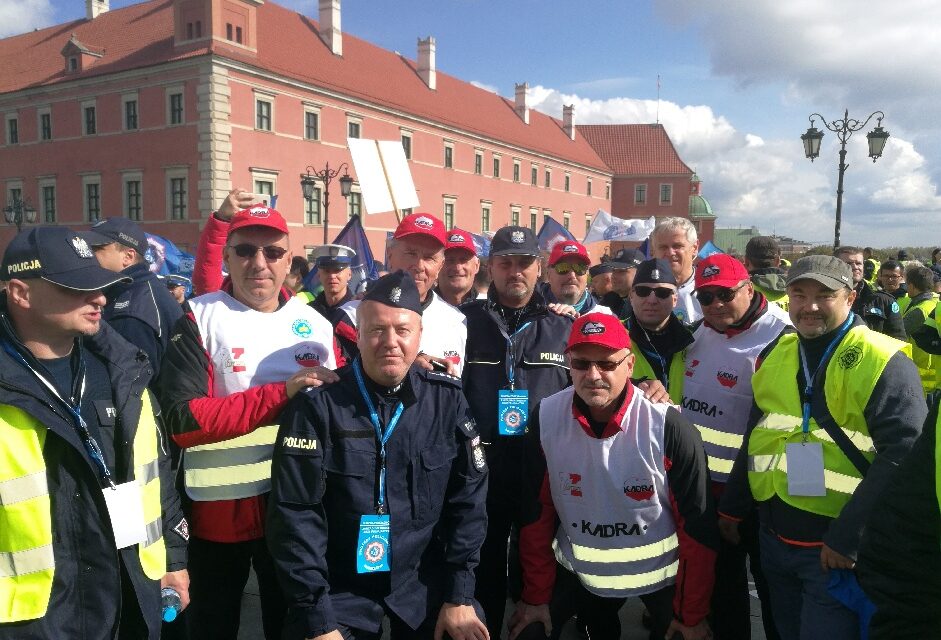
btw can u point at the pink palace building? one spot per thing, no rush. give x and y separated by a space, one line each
156 110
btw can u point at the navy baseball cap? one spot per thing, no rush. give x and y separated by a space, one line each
514 241
627 259
57 255
120 230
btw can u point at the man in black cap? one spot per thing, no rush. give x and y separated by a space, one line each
515 358
623 266
90 519
142 311
599 282
379 482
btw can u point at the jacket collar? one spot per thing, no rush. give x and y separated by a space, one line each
580 412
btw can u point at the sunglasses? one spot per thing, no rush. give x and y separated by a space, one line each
725 295
603 365
564 268
271 252
661 292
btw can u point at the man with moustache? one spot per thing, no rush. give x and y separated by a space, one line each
461 264
675 239
878 309
379 482
837 406
568 278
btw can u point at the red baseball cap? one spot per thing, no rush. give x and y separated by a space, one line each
460 239
569 250
258 216
603 329
424 224
720 270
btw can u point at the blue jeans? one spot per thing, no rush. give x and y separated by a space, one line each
803 609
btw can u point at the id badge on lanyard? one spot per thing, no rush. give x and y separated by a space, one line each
512 403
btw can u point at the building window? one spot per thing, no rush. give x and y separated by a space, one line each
448 156
49 203
265 188
516 171
130 115
588 187
533 219
312 211
587 223
607 190
311 125
354 204
515 216
133 208
407 211
407 145
548 178
485 218
199 29
478 162
449 215
354 129
45 126
73 63
640 194
496 167
568 182
534 175
92 202
263 115
15 193
189 30
566 219
228 31
91 123
178 198
666 193
176 108
13 130
238 35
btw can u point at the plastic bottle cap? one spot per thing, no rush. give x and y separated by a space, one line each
169 614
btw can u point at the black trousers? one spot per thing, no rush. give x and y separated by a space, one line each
491 591
598 614
218 574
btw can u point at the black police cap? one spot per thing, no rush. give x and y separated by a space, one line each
598 269
654 271
397 290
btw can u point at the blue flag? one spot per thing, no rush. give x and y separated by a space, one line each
481 245
708 249
551 233
165 258
363 267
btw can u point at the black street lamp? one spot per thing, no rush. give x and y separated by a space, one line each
309 183
19 211
844 129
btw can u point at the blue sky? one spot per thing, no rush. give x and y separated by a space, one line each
738 81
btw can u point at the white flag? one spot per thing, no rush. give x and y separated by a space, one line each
605 227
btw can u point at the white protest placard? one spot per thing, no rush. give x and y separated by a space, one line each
384 176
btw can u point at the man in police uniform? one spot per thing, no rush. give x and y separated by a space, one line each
600 280
90 519
622 277
143 311
815 460
878 309
568 277
638 510
515 359
379 482
177 286
461 264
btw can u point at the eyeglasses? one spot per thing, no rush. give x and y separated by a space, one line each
725 295
603 365
271 251
564 268
661 292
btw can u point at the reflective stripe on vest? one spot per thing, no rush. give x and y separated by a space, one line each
927 363
237 468
153 552
645 582
851 375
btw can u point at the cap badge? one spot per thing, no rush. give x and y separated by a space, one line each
570 248
81 248
395 295
516 237
592 328
259 212
424 221
456 237
711 270
655 274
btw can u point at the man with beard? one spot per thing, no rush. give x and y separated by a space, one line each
568 277
878 309
461 264
675 239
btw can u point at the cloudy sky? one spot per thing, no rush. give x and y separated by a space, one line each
738 79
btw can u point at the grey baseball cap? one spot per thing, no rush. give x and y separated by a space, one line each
831 272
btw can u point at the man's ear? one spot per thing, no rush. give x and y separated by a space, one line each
18 294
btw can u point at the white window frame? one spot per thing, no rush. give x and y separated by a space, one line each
314 109
87 179
41 205
449 201
478 158
517 212
269 98
132 176
644 201
534 219
486 205
265 175
567 182
444 155
660 200
40 112
588 187
171 173
10 117
167 92
84 105
354 119
125 98
566 219
403 134
517 170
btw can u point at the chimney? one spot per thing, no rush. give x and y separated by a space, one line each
94 8
568 120
426 62
522 106
330 25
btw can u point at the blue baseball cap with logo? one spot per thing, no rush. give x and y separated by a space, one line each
120 230
57 255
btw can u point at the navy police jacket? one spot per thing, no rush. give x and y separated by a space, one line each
325 476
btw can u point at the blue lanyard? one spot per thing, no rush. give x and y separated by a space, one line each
74 409
665 379
383 437
510 356
809 379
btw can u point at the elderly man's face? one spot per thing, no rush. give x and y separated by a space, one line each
388 339
420 256
676 247
599 388
460 267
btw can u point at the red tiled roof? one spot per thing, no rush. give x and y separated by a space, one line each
634 149
288 44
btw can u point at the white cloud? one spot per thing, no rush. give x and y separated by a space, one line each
21 16
484 86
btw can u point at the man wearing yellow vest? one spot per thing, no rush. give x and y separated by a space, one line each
234 360
837 406
920 281
90 523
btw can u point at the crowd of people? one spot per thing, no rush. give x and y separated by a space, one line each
541 434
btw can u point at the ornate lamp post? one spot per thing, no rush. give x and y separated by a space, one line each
326 175
18 212
844 129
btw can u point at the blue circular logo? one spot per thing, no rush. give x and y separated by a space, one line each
302 328
895 307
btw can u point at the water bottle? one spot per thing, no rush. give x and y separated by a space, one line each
170 603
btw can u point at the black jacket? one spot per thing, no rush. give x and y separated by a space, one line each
325 476
86 599
880 311
144 312
899 563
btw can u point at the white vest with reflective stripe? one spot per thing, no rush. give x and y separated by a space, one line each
248 348
717 393
616 531
443 329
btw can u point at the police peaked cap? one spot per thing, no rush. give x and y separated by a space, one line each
397 290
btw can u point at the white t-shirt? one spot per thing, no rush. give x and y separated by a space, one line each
687 306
